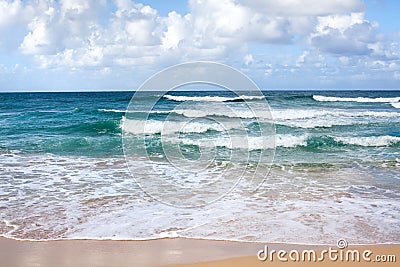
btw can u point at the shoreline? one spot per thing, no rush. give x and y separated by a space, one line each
65 239
159 252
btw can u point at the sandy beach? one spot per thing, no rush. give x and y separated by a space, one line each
161 252
253 261
199 133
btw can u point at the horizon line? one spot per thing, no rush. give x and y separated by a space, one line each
200 90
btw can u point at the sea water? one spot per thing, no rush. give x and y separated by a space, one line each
335 171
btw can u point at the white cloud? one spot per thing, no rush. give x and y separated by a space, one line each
305 7
344 60
56 26
71 32
89 35
302 58
138 25
14 17
344 34
176 30
387 50
42 39
232 22
268 70
14 13
68 32
248 59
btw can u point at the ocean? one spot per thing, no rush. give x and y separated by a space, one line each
333 170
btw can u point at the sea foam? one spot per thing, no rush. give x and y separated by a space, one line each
356 99
212 98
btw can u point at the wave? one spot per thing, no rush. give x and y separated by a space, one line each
292 141
370 141
199 113
253 143
335 141
321 98
157 127
244 114
293 114
395 104
294 118
212 98
311 119
315 118
112 127
278 114
237 142
112 110
289 141
311 124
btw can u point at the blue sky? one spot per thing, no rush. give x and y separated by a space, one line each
76 45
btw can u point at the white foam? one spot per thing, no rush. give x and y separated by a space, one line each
395 104
294 114
112 110
382 114
169 127
288 140
249 143
96 198
356 99
292 117
316 123
212 98
328 118
198 113
369 141
314 118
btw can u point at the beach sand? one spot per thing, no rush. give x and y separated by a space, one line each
253 261
159 252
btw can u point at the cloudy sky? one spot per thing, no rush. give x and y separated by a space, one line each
56 45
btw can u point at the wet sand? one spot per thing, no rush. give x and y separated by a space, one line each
159 252
253 261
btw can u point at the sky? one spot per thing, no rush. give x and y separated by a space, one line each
89 45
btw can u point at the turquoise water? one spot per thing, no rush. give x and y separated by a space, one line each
89 124
337 161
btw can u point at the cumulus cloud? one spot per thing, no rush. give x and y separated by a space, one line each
101 35
228 21
305 7
14 17
71 32
345 34
61 25
248 59
14 13
176 30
